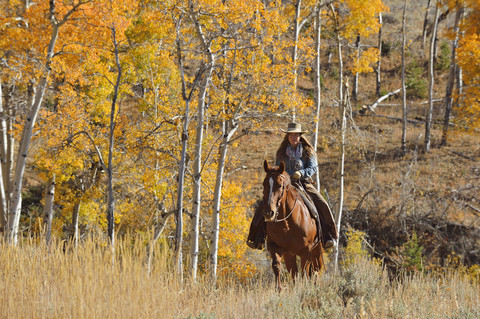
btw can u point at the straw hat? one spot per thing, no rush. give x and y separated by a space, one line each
294 128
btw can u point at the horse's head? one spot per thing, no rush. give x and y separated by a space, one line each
274 186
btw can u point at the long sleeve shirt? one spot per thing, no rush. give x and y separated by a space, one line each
308 165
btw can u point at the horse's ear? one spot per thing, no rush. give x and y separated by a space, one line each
266 167
282 167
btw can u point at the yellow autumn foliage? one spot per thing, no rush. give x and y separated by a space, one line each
364 63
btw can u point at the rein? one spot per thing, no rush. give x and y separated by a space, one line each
284 192
283 219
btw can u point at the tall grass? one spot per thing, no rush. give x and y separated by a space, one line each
59 282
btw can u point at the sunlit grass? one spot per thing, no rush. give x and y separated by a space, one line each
59 282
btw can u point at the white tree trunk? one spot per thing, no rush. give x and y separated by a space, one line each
197 171
428 118
379 62
425 23
48 209
318 86
229 128
404 88
355 77
75 231
110 196
338 216
3 154
16 201
298 5
451 77
341 172
15 206
197 163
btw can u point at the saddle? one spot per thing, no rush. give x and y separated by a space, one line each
311 208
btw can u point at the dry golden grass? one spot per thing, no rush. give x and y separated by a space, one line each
37 282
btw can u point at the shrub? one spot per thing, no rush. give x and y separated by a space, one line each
411 253
443 60
415 82
387 48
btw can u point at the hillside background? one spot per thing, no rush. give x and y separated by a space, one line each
428 200
148 122
132 141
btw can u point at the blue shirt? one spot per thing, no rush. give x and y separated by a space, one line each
308 165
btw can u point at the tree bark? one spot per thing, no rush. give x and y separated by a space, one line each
183 157
451 78
229 128
197 174
428 119
379 62
318 86
341 171
425 23
338 217
48 209
110 197
197 163
3 153
404 88
355 77
16 203
14 207
298 5
75 231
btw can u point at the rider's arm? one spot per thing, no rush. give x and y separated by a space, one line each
310 167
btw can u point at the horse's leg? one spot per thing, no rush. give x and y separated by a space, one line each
291 264
317 258
306 263
276 263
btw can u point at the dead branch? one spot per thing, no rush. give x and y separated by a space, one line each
392 118
386 96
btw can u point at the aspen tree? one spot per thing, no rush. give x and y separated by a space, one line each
355 76
428 119
48 209
296 34
229 127
318 86
451 75
379 63
3 151
404 89
468 58
425 24
110 195
197 161
341 163
183 155
14 208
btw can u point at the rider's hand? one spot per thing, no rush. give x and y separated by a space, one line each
296 175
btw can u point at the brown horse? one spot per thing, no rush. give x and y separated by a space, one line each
291 231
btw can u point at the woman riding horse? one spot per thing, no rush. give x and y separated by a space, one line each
300 163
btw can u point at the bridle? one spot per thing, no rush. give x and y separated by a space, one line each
284 188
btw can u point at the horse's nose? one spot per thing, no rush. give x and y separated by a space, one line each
269 215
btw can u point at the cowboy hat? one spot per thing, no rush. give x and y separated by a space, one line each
294 128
